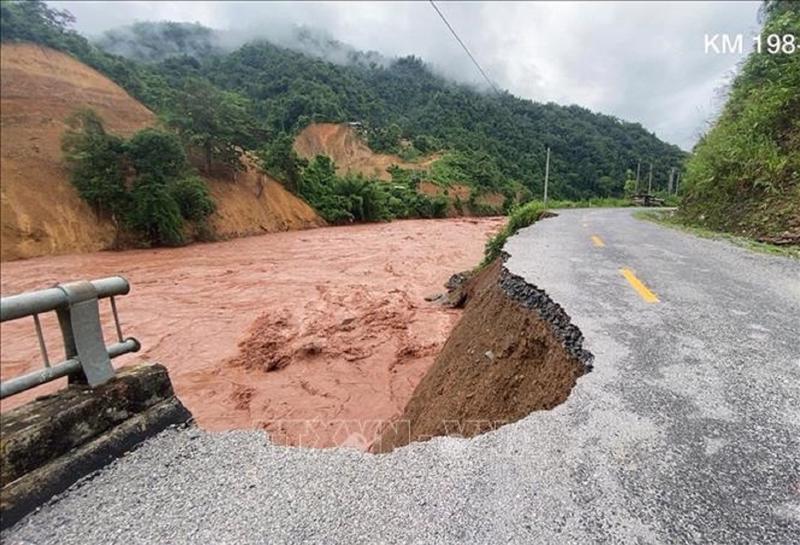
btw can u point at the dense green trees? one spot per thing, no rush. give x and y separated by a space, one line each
218 123
744 175
349 198
406 100
144 184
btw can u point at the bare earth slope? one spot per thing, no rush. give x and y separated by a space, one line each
255 203
41 212
39 88
348 150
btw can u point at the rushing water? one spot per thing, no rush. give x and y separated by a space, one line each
340 310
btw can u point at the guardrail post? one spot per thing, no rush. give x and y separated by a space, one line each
83 333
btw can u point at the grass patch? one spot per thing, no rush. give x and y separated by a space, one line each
531 212
670 219
521 216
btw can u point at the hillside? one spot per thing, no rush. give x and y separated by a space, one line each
348 150
502 136
263 92
744 175
41 211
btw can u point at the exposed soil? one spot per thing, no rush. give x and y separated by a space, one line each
455 190
254 203
345 146
318 336
514 351
40 211
461 192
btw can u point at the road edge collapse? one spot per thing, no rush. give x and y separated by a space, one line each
513 351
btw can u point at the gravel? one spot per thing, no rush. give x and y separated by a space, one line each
686 431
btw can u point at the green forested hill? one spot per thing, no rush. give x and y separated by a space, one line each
744 175
263 91
591 152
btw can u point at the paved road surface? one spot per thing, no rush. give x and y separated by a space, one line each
687 431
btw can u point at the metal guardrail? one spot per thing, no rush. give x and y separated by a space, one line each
88 359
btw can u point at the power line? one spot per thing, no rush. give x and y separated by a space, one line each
466 49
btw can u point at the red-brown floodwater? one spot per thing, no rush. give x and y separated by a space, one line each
337 313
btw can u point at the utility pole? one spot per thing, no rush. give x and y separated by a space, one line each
650 180
677 179
546 174
669 184
638 168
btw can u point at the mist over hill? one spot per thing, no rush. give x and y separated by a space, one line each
157 41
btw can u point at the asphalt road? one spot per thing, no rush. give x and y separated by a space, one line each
687 430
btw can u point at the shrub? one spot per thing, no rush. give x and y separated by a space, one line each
280 160
153 151
96 163
155 212
520 217
349 198
744 174
191 195
153 162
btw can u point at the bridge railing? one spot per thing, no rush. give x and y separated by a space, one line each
76 305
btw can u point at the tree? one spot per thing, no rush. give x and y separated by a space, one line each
424 143
191 195
97 163
629 185
153 151
609 187
163 191
216 122
280 160
155 212
35 21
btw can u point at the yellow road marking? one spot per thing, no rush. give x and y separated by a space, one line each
598 241
640 288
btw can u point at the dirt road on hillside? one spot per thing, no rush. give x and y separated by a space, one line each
313 335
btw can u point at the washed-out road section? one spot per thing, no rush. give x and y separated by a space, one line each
686 431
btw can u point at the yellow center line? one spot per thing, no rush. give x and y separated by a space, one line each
598 241
640 288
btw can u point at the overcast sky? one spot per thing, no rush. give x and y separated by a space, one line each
643 62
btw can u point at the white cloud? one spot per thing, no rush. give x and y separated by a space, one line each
641 61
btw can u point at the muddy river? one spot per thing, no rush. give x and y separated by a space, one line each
317 336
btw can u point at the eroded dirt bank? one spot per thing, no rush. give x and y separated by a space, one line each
334 328
514 351
41 213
